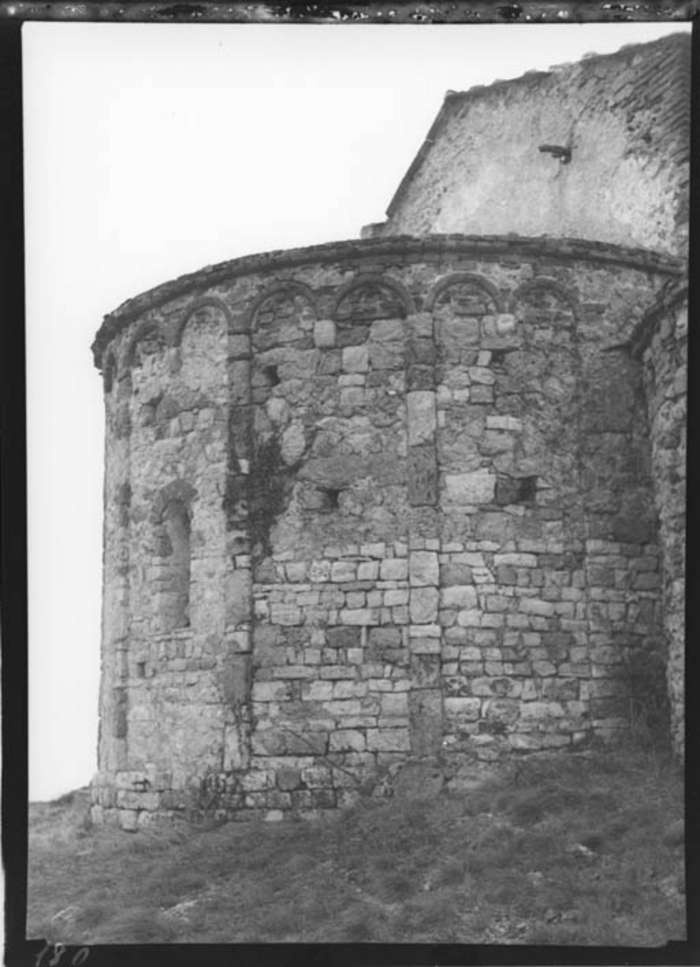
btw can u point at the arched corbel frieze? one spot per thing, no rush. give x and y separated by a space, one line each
148 339
369 297
201 309
465 293
282 300
546 296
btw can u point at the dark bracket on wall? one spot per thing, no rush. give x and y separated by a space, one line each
557 151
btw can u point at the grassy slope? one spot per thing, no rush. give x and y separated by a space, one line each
563 850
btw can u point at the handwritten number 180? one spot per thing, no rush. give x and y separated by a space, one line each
59 950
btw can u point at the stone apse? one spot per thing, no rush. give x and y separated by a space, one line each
380 501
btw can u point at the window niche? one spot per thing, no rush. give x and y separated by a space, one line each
516 490
320 500
330 498
173 556
272 375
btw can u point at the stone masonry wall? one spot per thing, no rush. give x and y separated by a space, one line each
365 502
167 405
662 342
625 118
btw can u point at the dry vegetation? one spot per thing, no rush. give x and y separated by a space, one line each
562 850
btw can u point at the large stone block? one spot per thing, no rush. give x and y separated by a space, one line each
459 597
388 740
394 703
343 571
421 417
455 574
307 743
355 359
475 487
347 740
343 637
425 646
359 616
423 605
385 637
394 569
368 571
324 333
541 711
317 691
424 568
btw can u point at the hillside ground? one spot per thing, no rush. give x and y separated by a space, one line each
558 850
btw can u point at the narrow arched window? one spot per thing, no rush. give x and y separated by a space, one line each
173 550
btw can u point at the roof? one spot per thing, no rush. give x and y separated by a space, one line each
455 99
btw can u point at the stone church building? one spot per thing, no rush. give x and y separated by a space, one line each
418 496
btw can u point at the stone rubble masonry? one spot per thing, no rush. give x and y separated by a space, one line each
661 342
625 117
379 500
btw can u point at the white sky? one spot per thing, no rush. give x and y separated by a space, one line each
151 151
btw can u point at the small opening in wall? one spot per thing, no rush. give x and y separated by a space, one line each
272 375
140 669
499 356
331 498
516 490
559 151
527 490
